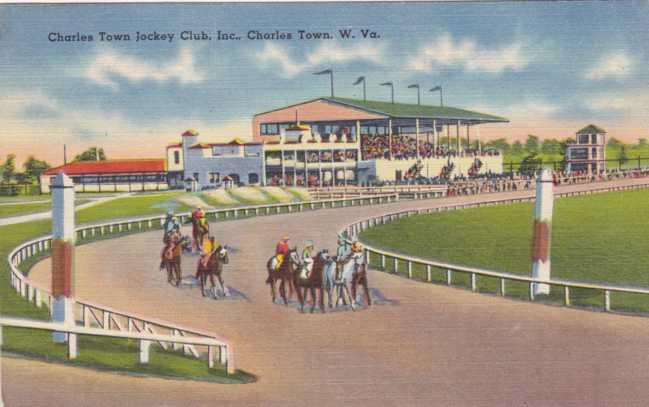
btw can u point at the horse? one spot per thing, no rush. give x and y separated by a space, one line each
214 266
171 255
285 273
198 232
354 272
315 280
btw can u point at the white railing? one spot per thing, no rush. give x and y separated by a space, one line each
353 231
145 339
118 323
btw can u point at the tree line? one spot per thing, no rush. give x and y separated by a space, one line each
33 168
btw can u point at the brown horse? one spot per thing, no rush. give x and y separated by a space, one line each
198 232
314 281
353 273
171 255
285 273
213 267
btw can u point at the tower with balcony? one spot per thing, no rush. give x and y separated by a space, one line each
588 153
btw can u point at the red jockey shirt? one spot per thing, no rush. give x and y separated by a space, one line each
282 248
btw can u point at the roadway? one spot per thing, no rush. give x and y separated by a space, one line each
436 346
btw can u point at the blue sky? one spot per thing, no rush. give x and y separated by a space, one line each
549 67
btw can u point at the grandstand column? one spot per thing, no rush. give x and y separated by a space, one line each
468 139
417 137
541 245
281 155
263 167
435 135
448 137
457 137
294 168
358 140
390 139
477 130
63 240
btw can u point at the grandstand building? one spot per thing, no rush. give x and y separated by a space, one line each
588 152
331 140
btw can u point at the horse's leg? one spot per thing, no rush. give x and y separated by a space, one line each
201 278
354 286
282 291
225 291
213 286
313 298
351 299
368 299
272 287
322 307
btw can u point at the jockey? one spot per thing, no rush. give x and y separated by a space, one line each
307 257
170 224
343 249
208 248
170 239
281 250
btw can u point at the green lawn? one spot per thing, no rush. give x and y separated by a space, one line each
8 210
598 238
133 205
98 353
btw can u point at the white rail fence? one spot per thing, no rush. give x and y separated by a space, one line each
353 230
99 320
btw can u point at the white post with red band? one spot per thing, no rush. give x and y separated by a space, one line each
63 241
542 239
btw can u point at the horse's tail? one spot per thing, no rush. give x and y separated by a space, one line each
269 263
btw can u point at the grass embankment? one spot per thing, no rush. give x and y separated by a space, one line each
600 238
119 355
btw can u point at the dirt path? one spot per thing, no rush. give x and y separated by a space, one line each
436 346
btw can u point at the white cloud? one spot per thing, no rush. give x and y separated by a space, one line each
325 53
446 52
79 129
110 63
527 109
615 65
626 101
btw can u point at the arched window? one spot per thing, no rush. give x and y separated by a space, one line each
253 178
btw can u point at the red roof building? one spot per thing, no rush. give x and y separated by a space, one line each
112 175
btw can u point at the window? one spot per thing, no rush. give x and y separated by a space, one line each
196 176
253 178
176 157
214 177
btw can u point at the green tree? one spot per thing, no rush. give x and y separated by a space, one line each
91 154
517 148
9 167
500 144
643 142
34 168
623 157
614 143
532 144
551 146
531 164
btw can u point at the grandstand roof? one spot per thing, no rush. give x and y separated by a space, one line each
404 110
592 129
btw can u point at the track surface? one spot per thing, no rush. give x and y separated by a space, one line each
437 346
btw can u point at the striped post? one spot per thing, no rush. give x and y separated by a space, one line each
542 232
63 241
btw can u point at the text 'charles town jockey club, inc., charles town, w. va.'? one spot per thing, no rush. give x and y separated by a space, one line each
202 35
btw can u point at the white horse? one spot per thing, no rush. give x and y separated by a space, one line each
353 273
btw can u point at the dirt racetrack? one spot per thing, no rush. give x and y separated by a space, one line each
436 346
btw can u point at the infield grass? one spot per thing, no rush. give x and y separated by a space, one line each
111 354
602 238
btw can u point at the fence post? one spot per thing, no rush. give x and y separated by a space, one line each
429 276
144 351
502 287
449 277
84 316
531 291
210 357
607 300
473 282
409 269
72 346
383 261
566 295
395 265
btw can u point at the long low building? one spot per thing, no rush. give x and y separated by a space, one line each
126 175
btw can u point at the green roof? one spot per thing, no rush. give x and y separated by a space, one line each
592 129
403 110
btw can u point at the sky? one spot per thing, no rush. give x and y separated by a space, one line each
550 67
